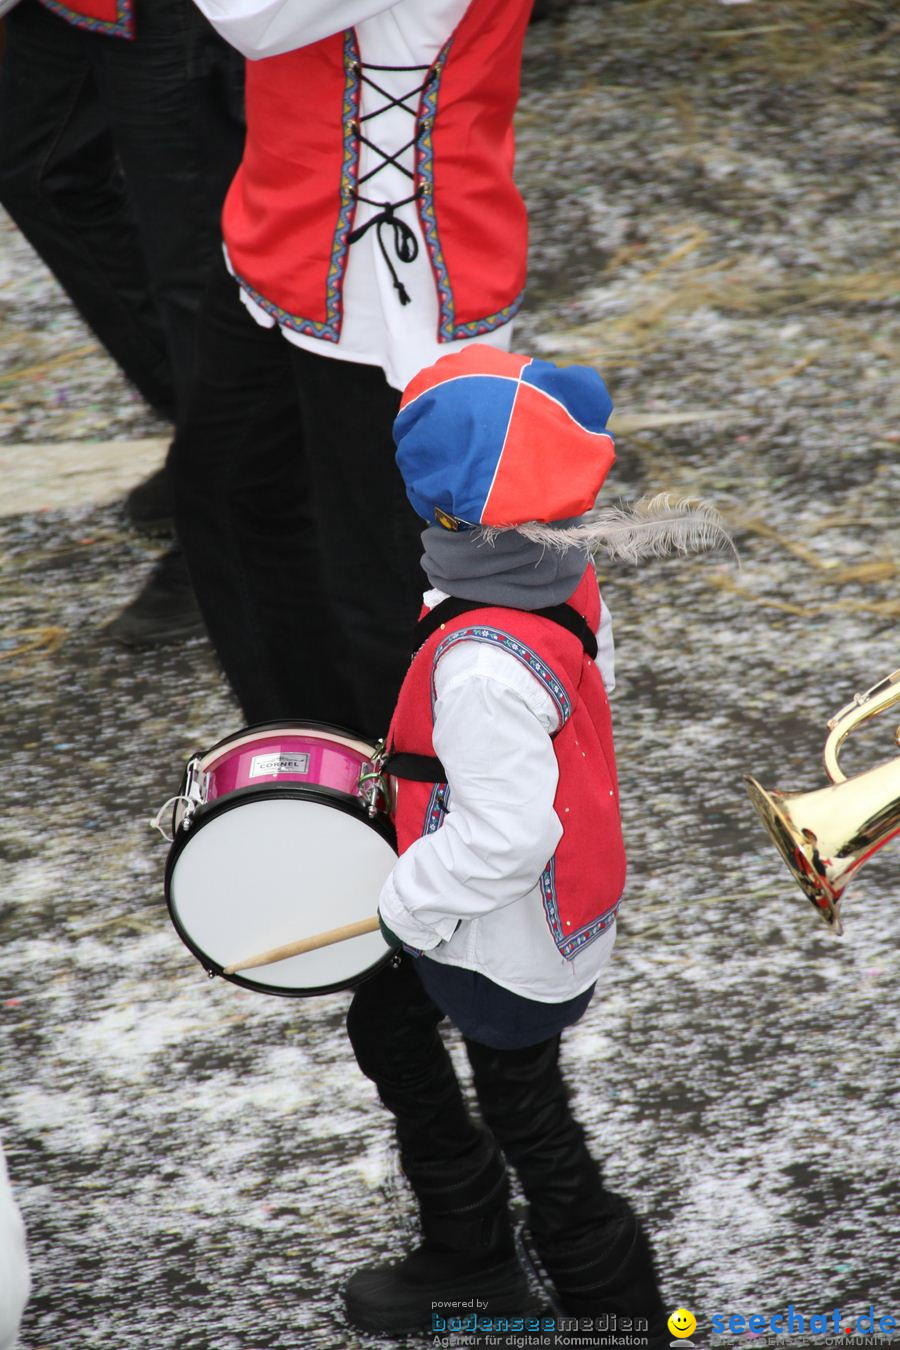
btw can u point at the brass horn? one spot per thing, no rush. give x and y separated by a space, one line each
826 835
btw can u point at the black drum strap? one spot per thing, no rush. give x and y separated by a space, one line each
428 768
564 615
416 768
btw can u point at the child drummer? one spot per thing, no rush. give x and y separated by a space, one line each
511 865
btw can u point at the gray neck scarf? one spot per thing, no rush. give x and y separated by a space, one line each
508 570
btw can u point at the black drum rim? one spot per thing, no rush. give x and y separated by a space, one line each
324 796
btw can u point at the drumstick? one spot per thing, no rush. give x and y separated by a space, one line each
310 944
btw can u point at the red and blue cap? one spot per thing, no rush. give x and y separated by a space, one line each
485 437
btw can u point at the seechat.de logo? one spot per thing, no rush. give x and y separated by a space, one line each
681 1324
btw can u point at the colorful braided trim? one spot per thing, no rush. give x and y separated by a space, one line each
488 323
425 182
121 26
523 653
438 806
448 329
330 329
349 174
568 943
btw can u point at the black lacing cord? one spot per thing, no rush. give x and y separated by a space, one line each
391 101
406 245
387 159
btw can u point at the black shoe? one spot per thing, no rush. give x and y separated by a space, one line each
149 505
468 1253
405 1295
164 610
609 1272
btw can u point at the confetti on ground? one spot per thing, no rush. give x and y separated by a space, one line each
201 1168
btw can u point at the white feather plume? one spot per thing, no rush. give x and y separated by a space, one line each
653 527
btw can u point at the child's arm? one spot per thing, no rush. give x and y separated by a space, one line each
492 733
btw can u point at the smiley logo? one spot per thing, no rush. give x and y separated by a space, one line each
682 1323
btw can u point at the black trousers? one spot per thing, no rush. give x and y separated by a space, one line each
114 160
302 546
393 1027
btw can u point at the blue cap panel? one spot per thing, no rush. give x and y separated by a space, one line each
579 389
449 443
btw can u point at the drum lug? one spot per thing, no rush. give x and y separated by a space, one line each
372 785
196 790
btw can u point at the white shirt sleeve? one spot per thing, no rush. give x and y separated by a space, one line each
606 649
259 28
491 732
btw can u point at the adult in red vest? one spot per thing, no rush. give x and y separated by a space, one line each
373 224
121 125
511 860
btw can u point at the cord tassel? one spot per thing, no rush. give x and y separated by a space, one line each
406 245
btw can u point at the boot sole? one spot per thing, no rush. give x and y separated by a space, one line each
504 1296
156 637
153 525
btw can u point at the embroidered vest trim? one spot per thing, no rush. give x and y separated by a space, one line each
330 330
113 17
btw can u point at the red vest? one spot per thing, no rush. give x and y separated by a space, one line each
113 17
583 882
291 206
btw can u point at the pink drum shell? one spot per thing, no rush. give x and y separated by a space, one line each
288 755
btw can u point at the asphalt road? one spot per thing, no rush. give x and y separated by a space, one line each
200 1167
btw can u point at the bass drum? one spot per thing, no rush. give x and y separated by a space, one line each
273 843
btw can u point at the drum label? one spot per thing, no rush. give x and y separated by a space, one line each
280 762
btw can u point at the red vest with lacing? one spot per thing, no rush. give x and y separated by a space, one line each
290 210
113 17
583 881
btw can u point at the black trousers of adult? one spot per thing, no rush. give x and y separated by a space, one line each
302 546
115 157
393 1027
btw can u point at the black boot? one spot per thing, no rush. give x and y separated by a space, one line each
608 1272
468 1253
149 504
164 610
590 1241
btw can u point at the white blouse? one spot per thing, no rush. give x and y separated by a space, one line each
378 329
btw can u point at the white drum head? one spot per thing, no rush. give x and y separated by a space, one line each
260 873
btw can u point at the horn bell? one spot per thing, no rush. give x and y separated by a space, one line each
826 835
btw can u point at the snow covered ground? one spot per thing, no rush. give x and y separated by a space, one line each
714 213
